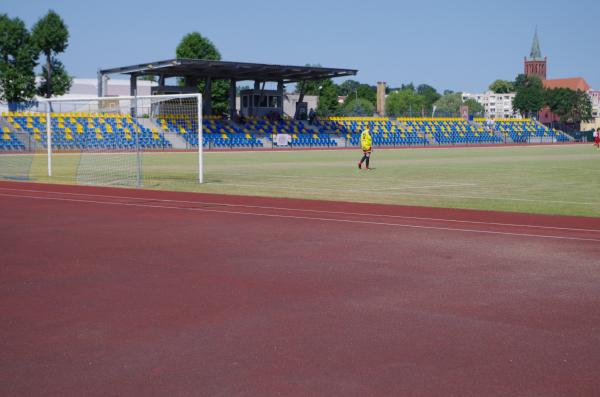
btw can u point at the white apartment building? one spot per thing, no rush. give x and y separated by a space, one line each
496 105
595 122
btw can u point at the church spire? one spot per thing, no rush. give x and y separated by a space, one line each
536 54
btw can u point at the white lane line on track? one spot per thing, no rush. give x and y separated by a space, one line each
310 210
307 218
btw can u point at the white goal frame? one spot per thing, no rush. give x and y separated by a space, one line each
50 101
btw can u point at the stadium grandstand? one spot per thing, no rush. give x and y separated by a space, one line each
256 128
23 131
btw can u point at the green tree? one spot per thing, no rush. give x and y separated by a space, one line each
569 105
449 104
403 103
408 87
502 86
18 58
530 98
195 46
326 90
475 108
352 89
429 94
357 107
368 92
328 99
520 81
312 87
61 81
348 87
51 36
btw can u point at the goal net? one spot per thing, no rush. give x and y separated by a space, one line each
18 144
129 141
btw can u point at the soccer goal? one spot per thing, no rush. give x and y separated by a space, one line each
124 140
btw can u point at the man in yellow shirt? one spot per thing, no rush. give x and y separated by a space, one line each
366 146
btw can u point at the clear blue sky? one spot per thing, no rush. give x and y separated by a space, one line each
460 45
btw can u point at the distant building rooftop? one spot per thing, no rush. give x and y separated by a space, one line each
574 83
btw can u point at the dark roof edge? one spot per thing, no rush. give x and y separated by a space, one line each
145 68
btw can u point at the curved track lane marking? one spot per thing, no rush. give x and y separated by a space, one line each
146 199
305 218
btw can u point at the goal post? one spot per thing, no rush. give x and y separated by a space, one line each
120 138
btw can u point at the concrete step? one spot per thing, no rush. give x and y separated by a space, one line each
176 140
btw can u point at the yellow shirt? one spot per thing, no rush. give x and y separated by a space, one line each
365 140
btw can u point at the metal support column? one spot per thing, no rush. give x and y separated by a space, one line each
133 92
280 97
208 96
232 95
100 83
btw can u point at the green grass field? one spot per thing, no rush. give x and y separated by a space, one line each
561 179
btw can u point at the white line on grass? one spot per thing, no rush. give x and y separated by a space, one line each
339 149
376 191
341 188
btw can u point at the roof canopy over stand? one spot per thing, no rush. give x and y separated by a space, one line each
195 70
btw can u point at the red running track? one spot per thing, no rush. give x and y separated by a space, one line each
119 292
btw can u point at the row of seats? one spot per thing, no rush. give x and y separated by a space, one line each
391 139
524 130
80 130
221 133
445 130
9 142
311 140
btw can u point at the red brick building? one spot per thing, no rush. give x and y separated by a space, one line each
574 83
535 65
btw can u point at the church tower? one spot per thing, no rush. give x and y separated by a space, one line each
535 65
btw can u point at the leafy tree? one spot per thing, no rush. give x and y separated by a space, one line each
447 92
582 107
357 107
529 98
348 87
328 99
313 87
368 92
18 58
195 46
569 105
520 81
430 95
502 86
61 81
404 102
475 108
326 90
51 36
449 103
